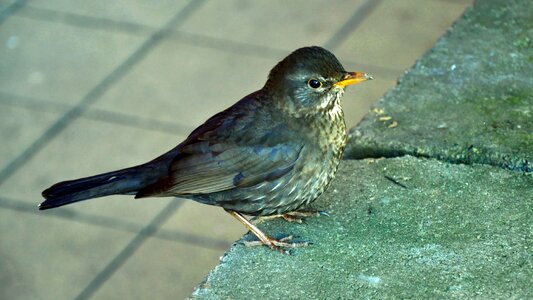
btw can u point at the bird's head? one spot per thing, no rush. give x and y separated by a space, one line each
309 80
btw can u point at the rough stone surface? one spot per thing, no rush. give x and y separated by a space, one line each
469 100
452 222
401 228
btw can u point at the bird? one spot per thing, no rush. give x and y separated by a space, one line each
270 154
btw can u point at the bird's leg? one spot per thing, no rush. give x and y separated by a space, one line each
264 239
293 216
299 215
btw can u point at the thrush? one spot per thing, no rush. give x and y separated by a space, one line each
271 153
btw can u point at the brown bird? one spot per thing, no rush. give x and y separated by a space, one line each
271 153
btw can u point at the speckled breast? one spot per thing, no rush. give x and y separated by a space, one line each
309 178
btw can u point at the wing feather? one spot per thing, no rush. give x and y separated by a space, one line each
239 147
234 167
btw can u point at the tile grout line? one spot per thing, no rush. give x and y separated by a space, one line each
129 250
116 224
113 223
169 210
11 9
95 93
99 23
96 114
218 44
361 13
83 21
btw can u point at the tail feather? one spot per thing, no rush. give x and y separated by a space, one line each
121 182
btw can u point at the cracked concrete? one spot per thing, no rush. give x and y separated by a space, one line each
468 100
446 231
453 222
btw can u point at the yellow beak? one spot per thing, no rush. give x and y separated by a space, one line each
353 78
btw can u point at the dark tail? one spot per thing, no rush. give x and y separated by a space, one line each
122 182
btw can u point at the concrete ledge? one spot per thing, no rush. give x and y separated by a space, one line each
409 227
469 100
401 228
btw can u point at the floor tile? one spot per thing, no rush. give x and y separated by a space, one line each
55 61
19 127
86 148
284 25
207 221
396 33
44 258
186 84
410 30
159 270
153 14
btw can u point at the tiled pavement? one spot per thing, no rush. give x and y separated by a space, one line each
91 86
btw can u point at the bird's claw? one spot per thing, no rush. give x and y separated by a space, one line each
297 216
282 245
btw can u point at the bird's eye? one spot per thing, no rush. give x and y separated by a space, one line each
314 83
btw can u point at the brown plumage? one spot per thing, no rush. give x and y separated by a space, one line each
273 152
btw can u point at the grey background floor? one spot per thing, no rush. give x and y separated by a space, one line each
92 86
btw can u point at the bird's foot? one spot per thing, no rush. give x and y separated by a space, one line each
274 244
297 216
282 245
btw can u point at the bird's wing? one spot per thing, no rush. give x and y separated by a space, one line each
235 148
227 166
